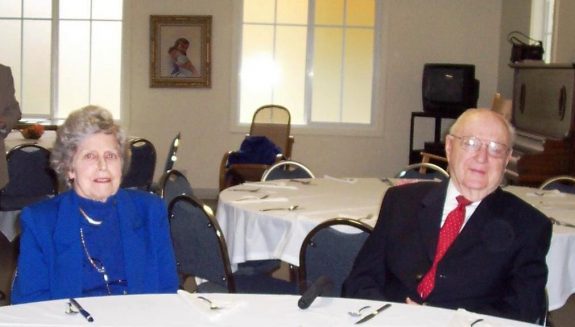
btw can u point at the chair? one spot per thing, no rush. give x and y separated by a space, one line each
140 173
329 251
502 106
271 121
172 184
287 169
282 170
564 184
201 252
414 171
438 160
31 178
172 154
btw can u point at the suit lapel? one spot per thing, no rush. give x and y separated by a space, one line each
472 231
429 217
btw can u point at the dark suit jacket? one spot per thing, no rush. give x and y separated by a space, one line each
50 263
495 266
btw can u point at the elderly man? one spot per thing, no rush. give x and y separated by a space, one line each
9 116
464 243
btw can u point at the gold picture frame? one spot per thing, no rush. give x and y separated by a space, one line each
180 49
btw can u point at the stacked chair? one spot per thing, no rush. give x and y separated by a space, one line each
272 122
140 173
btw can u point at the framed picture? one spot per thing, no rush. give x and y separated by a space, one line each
180 48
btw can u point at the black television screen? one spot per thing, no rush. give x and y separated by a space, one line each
449 89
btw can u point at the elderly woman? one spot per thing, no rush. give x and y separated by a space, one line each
95 239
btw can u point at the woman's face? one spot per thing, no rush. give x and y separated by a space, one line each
97 167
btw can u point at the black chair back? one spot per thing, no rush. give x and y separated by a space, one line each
140 173
327 251
199 245
432 172
172 154
172 184
31 178
287 169
563 184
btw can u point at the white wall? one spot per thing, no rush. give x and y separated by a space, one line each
415 32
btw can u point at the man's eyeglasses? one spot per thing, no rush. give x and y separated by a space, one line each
474 144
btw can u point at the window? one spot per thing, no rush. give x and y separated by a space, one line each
64 54
542 12
315 57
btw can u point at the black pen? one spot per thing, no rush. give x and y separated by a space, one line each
84 313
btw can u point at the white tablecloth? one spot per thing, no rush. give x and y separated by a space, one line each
184 309
15 138
561 256
252 234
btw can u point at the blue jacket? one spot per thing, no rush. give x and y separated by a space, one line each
51 254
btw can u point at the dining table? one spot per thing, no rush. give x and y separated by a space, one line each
193 309
269 220
15 138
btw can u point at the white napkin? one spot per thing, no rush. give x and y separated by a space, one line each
547 193
203 306
343 180
271 185
465 318
255 199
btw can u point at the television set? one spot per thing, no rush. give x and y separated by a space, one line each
449 89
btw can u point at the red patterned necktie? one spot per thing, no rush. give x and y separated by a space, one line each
447 235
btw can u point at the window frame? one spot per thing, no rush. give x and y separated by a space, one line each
374 128
55 22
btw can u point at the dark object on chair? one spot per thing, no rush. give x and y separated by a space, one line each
449 89
271 121
564 184
287 169
172 184
327 251
419 171
172 154
523 47
140 173
201 251
31 178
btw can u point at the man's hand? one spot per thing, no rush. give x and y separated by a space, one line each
410 301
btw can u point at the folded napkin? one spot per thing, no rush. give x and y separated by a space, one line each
255 199
464 318
547 193
343 180
404 181
203 307
271 185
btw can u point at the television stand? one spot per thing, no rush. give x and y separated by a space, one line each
435 147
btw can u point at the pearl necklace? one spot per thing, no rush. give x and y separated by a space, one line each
89 219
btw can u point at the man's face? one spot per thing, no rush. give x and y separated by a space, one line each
475 170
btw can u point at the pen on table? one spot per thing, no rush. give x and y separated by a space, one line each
84 313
